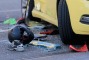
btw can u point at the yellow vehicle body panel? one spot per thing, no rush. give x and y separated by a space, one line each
46 17
47 10
77 8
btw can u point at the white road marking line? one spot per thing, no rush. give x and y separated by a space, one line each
10 10
3 40
4 30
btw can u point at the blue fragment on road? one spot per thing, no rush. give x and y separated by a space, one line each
45 45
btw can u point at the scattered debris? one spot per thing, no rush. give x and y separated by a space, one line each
38 27
48 46
10 21
21 20
20 25
50 32
84 48
36 36
16 45
40 39
46 32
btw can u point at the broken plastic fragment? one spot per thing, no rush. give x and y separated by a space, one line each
49 46
37 27
17 46
10 21
47 32
81 49
50 32
39 36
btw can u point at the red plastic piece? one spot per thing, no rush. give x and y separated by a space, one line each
84 48
20 19
47 32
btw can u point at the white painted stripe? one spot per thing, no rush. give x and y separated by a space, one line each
11 10
3 40
4 30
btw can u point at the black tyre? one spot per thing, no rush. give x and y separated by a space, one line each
66 33
31 6
27 7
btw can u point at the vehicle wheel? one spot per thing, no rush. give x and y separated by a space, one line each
66 33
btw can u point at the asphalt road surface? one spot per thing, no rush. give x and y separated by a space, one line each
12 9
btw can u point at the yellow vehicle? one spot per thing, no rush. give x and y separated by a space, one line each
70 16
